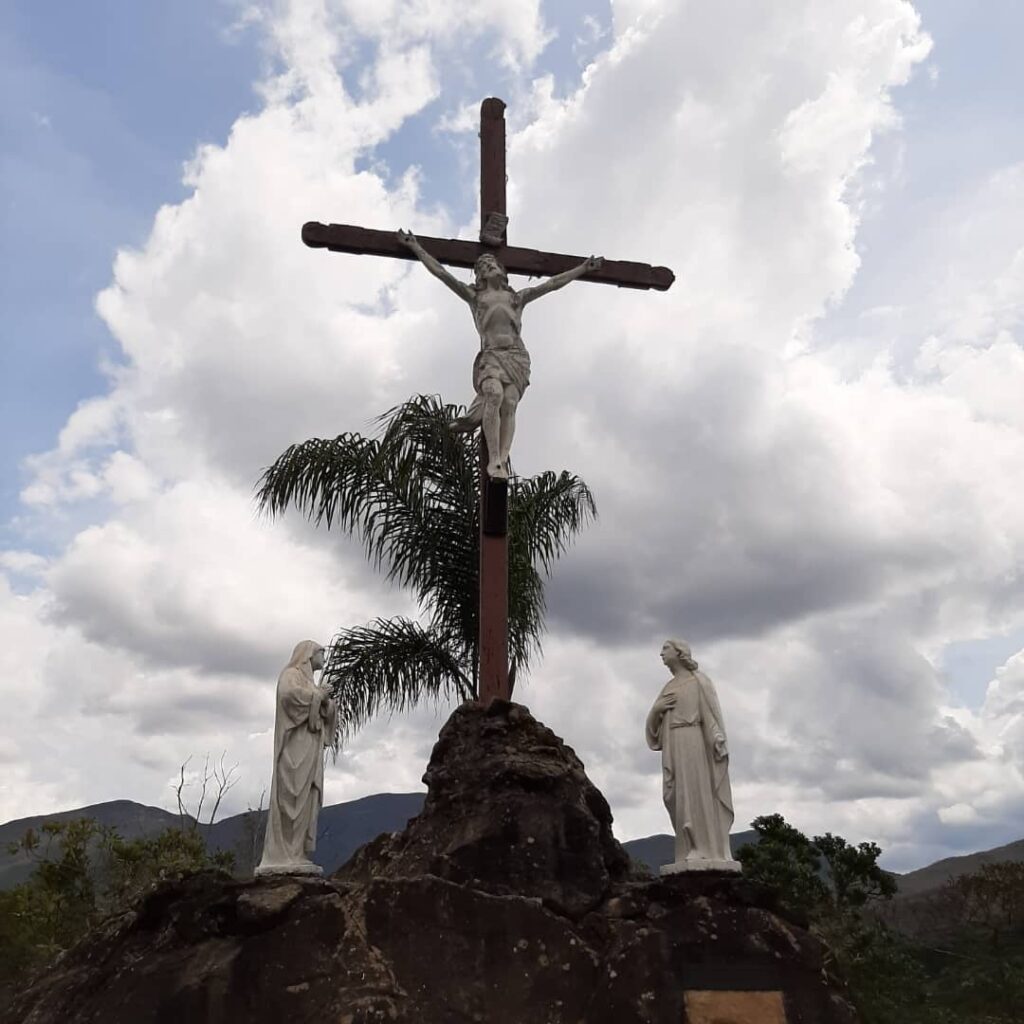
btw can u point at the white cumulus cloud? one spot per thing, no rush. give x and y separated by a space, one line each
820 522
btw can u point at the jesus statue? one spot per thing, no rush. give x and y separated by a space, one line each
501 370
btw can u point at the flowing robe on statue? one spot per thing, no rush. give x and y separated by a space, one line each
695 783
305 723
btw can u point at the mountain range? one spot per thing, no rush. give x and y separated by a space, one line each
344 827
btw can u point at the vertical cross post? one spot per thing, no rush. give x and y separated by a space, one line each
493 667
493 493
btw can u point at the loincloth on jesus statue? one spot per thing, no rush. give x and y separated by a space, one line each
509 366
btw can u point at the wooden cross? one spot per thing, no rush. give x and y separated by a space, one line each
456 252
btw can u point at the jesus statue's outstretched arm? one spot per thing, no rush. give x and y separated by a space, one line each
410 241
552 284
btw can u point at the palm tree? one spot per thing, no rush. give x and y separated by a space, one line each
410 495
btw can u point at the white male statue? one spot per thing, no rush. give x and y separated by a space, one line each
305 723
501 370
686 725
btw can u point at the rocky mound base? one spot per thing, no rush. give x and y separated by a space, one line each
506 901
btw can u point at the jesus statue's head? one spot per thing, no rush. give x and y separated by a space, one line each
487 269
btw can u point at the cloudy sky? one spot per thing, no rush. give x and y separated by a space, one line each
807 455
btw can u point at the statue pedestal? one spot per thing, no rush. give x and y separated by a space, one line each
308 869
731 867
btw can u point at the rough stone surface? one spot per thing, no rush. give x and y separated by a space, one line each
507 900
509 811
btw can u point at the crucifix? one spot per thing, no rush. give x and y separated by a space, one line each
501 369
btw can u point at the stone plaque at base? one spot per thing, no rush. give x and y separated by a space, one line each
735 1008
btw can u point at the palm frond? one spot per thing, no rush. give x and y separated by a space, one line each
545 514
391 665
327 479
410 495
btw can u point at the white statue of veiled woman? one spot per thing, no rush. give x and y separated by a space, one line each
304 725
686 725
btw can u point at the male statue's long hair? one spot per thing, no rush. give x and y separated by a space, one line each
682 648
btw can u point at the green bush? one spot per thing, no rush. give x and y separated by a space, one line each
83 872
975 975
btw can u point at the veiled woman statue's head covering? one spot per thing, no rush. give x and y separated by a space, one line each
302 657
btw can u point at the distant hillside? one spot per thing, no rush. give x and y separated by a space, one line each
918 910
343 828
129 818
346 826
935 875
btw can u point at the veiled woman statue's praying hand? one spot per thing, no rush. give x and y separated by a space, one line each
501 370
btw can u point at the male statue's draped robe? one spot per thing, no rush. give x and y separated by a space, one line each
305 723
695 783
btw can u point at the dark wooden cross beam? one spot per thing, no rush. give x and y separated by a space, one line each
457 252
